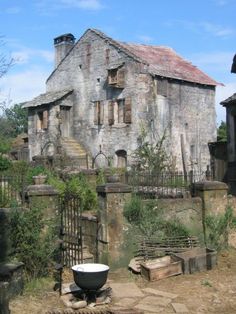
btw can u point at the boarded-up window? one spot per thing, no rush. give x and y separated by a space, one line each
98 112
162 86
128 110
110 112
42 120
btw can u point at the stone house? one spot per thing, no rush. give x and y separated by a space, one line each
102 92
230 106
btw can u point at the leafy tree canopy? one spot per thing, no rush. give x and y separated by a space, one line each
13 121
222 132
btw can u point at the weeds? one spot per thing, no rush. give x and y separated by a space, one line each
217 228
148 217
33 241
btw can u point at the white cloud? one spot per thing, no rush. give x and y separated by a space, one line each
23 86
46 6
13 10
213 61
83 4
24 55
217 30
221 3
145 38
202 27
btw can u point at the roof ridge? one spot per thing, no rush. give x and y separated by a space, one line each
118 44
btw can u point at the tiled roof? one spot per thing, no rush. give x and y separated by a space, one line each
230 100
47 98
166 62
162 61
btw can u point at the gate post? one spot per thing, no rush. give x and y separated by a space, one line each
111 198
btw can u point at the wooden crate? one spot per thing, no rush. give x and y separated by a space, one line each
197 259
160 268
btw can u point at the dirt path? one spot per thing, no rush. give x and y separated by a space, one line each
206 292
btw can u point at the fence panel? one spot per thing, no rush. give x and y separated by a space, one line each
12 191
162 185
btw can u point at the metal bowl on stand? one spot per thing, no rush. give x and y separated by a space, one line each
90 276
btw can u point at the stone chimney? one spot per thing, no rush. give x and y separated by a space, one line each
63 45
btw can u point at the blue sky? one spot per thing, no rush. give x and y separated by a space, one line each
203 32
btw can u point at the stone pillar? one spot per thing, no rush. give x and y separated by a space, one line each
43 195
11 274
213 195
112 197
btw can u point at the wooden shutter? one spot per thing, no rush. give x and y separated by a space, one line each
162 87
45 119
128 110
101 112
110 112
95 118
121 78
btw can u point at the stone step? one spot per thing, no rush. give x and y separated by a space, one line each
74 150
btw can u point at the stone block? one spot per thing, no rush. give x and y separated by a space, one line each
126 290
160 293
179 308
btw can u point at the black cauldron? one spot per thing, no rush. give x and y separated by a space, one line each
90 276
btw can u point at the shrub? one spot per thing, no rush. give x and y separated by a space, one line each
217 228
79 186
148 218
33 241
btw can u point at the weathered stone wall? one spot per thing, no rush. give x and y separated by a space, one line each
187 111
188 211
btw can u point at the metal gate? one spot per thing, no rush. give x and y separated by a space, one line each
75 233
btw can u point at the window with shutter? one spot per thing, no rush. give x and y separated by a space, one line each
121 112
98 112
128 110
116 77
112 77
110 112
45 119
42 120
121 78
162 86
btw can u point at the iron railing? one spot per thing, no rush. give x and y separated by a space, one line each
12 191
163 185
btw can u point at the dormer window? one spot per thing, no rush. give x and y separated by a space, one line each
116 77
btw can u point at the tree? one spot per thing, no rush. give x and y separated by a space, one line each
5 61
222 132
151 156
17 118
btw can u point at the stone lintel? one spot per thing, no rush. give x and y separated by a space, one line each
41 190
114 188
210 186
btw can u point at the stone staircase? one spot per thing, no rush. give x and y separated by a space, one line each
75 153
87 256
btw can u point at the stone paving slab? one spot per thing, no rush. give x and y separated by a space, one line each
126 302
179 308
160 293
126 290
149 308
154 304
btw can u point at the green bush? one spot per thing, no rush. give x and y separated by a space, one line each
79 186
147 216
217 228
33 241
